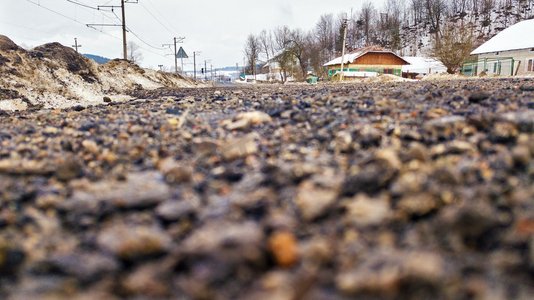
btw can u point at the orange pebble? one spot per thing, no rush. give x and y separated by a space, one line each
283 246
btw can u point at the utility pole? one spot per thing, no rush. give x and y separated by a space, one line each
76 46
123 21
206 70
176 41
345 24
124 47
195 53
160 67
211 71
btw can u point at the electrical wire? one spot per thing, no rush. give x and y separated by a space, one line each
69 18
96 29
55 12
163 17
82 5
138 37
157 20
92 8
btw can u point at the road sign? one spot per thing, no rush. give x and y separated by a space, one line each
181 53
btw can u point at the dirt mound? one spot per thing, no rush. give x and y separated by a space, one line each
67 58
55 76
7 44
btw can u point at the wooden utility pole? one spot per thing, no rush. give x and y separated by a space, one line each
195 53
345 24
206 70
76 46
176 40
123 21
124 47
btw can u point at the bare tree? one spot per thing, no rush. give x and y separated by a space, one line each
252 52
454 47
266 44
367 16
324 33
298 47
134 53
285 59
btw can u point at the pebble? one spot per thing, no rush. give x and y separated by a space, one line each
11 258
313 201
84 266
239 148
478 97
365 211
284 248
133 242
247 119
139 190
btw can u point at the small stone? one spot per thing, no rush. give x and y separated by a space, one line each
91 146
527 88
365 211
373 176
417 205
524 120
11 258
477 97
24 167
175 172
69 169
139 190
107 99
503 132
78 108
382 272
239 148
148 281
343 141
173 121
313 201
283 246
133 242
248 119
521 155
172 211
86 267
226 242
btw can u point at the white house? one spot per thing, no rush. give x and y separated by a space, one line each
420 66
509 53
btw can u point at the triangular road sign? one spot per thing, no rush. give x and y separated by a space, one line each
181 53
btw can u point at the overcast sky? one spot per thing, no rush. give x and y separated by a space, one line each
216 28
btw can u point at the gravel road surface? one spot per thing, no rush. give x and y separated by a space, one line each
417 190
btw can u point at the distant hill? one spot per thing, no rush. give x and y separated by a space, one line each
98 59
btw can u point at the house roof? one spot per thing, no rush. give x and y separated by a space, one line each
355 55
423 64
515 37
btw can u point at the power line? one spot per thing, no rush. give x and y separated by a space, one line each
55 12
162 16
82 5
67 17
137 36
92 26
91 8
155 18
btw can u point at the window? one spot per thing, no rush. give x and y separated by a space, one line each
530 66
